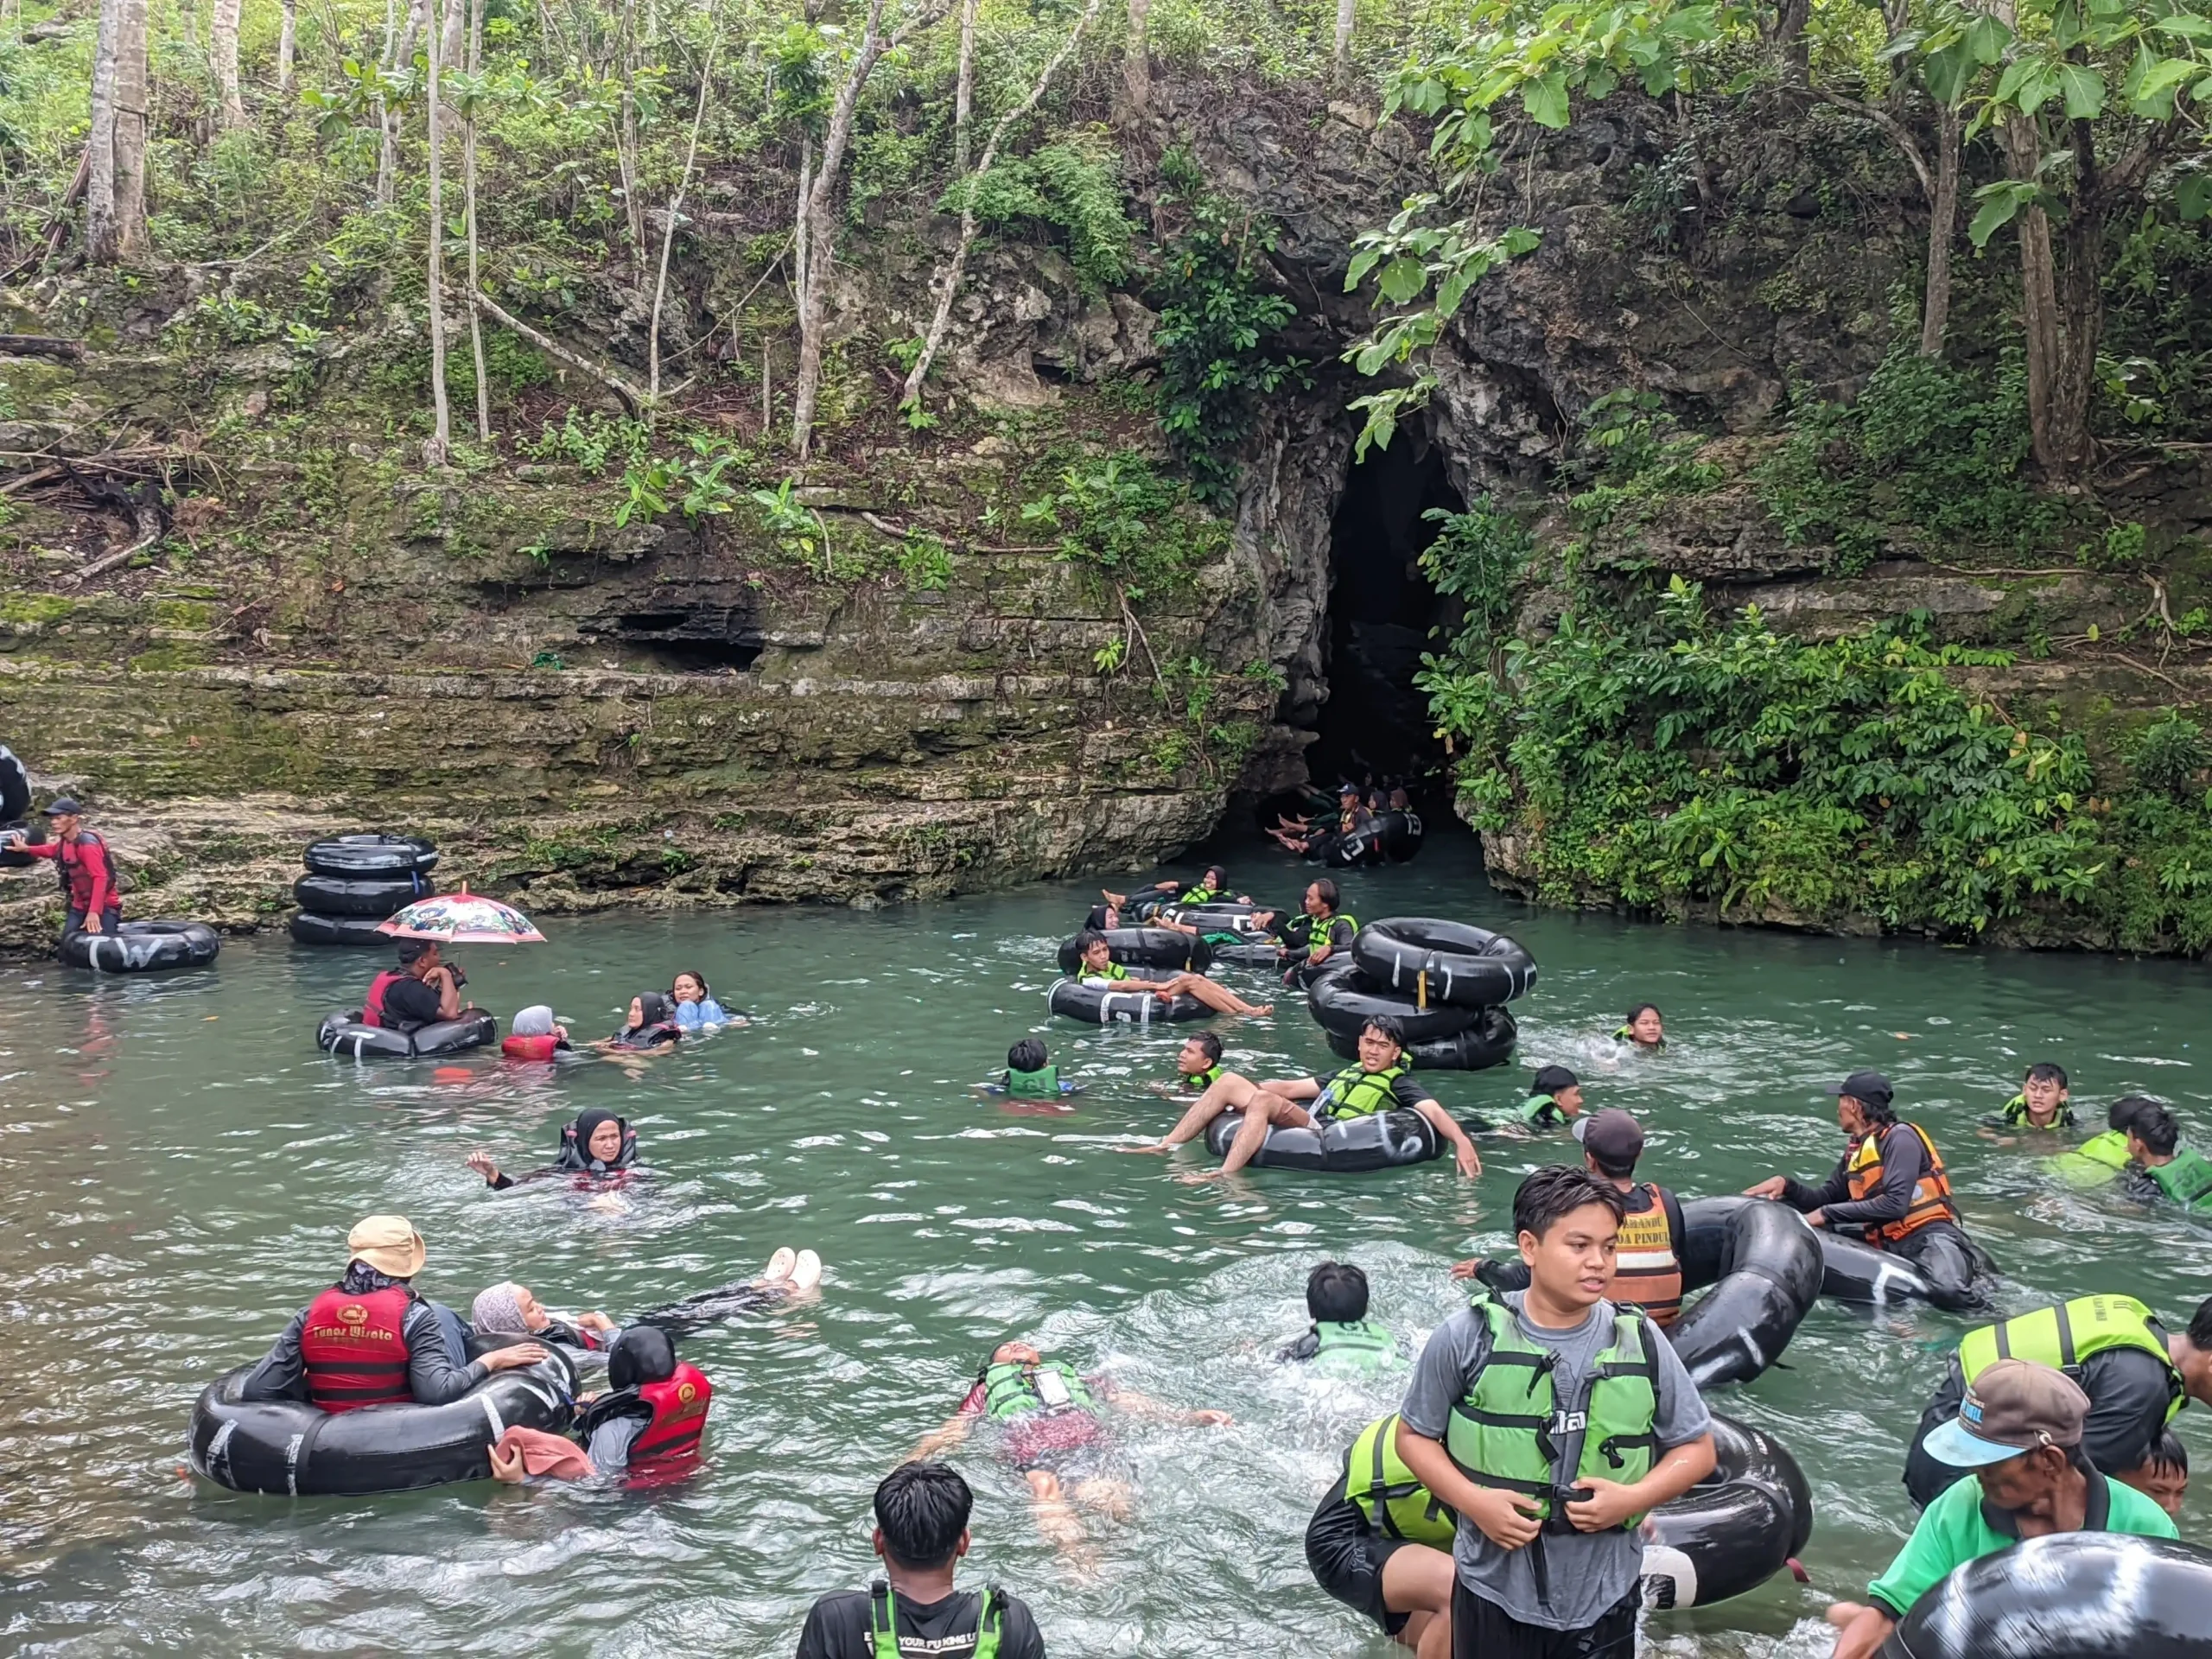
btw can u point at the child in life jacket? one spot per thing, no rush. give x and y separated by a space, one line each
648 1423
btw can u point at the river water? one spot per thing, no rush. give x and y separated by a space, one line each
180 1166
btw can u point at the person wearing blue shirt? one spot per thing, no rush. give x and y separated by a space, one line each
695 1007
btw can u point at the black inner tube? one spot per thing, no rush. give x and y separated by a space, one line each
2072 1595
1763 1265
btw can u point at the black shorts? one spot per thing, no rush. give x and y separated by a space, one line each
1483 1630
1347 1556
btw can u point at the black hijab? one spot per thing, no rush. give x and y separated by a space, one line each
575 1142
643 1353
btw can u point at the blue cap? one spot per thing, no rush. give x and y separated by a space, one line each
64 805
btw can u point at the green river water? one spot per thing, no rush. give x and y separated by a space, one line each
181 1164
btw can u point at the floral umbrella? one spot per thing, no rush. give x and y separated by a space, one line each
462 918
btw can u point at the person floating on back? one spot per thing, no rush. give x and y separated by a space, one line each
921 1534
1343 1340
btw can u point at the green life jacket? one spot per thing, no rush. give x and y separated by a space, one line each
1199 896
1197 1083
883 1622
2064 1336
1541 1112
1316 945
1011 1390
1043 1084
1111 970
2016 1115
2187 1179
1354 1345
1358 1092
2095 1162
1507 1430
1390 1495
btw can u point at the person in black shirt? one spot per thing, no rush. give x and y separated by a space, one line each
921 1533
425 990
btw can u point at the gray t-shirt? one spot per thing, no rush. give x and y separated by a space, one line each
1588 1572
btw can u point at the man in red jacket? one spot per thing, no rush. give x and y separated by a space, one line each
87 874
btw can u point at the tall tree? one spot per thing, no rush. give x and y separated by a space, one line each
288 46
468 212
441 435
676 201
1347 14
102 236
223 51
1136 61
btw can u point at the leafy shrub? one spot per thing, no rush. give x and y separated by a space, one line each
2168 754
1074 186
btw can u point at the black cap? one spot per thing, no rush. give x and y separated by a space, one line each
1552 1079
412 951
1612 1137
1870 1086
64 804
1347 789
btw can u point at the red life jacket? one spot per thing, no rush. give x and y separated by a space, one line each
74 864
679 1402
355 1349
372 1004
529 1048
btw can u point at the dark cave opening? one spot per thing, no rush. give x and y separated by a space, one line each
1374 724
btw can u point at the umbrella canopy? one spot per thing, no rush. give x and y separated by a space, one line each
462 918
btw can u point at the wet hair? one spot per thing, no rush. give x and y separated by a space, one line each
698 979
1336 1291
1641 1010
2156 1128
1880 1113
1326 891
1086 939
2167 1455
1550 1194
2123 1111
1209 1045
1027 1055
2045 1072
1385 1026
643 1353
921 1509
2200 1327
1551 1079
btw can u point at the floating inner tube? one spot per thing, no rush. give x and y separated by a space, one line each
359 856
1096 1005
1734 1529
142 948
1147 947
2071 1595
1219 917
1764 1266
14 786
344 1036
1254 950
1486 1043
1350 1146
1471 966
1349 852
1343 1000
376 896
1401 832
1951 1273
313 927
294 1450
35 834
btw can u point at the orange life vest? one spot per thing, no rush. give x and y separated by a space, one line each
1646 1270
1931 1194
355 1348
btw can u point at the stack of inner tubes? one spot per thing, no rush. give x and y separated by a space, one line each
1444 982
354 881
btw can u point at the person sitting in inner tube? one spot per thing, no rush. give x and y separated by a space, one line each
1553 1420
921 1533
370 1340
1647 1262
1380 1081
1052 1430
2042 1102
2161 1167
1644 1028
597 1143
1342 1340
1889 1185
1099 967
510 1310
1555 1098
2138 1379
1030 1075
423 991
648 1423
1325 931
1382 1545
693 1005
1211 888
1198 1066
649 1026
536 1035
2163 1476
2103 1158
81 862
2019 1430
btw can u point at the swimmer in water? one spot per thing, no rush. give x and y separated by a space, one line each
1052 1428
2163 1476
791 1276
1644 1028
1555 1098
1342 1340
2043 1105
1197 1067
694 1005
1030 1075
649 1026
1099 967
597 1143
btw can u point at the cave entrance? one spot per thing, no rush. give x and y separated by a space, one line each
1381 610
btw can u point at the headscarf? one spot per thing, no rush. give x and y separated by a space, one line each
642 1353
497 1313
576 1140
652 1010
536 1020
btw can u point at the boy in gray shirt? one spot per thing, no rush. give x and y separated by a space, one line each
1506 1402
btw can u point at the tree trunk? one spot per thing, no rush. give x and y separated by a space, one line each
223 52
676 207
102 240
798 221
2080 322
1791 20
131 99
1943 231
441 435
1137 61
468 210
2038 293
1347 14
288 46
963 92
402 53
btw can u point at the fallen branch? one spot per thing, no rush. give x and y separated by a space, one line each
149 519
632 398
66 351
